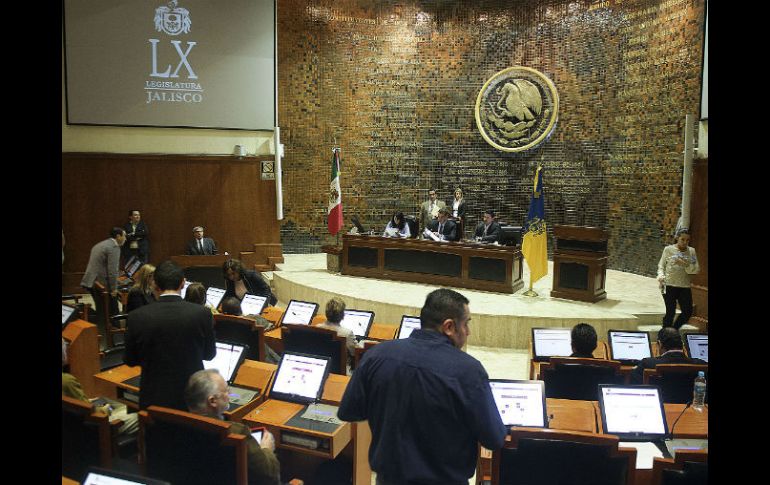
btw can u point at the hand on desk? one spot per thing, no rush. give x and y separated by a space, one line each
268 441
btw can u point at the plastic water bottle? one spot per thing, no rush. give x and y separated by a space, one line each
699 392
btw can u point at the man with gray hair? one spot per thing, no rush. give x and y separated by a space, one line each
207 395
201 245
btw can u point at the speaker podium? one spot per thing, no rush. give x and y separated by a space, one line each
579 263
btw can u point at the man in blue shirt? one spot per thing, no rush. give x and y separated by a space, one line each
428 403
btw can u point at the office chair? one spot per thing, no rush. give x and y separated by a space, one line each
242 330
578 378
554 457
307 339
686 468
86 438
182 447
675 380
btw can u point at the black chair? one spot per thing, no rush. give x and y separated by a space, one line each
578 378
686 468
675 381
185 448
308 339
86 438
555 457
242 330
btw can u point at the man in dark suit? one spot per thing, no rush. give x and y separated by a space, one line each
443 227
201 245
103 267
136 234
489 230
671 352
170 339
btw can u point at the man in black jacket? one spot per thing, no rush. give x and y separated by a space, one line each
489 230
670 345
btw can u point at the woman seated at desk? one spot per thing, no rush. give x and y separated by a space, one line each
397 227
143 291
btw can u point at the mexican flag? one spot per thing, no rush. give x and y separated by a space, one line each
335 196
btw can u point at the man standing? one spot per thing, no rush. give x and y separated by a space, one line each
201 245
206 394
443 228
170 339
136 233
428 403
103 266
429 208
489 230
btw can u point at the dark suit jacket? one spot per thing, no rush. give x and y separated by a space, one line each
255 285
460 208
493 233
209 247
637 375
138 298
450 229
170 339
140 236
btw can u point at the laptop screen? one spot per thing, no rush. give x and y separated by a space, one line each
626 345
357 321
300 377
698 346
299 312
227 359
632 412
520 403
214 296
408 325
551 342
253 304
102 476
184 288
132 266
66 313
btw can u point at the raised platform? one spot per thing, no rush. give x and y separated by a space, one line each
498 320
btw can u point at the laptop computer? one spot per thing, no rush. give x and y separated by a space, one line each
214 296
408 325
67 314
300 378
299 312
227 361
359 322
551 342
102 476
132 266
697 346
184 288
628 346
520 402
633 413
253 304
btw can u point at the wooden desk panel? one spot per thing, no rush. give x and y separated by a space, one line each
83 353
572 415
109 381
381 331
469 254
600 352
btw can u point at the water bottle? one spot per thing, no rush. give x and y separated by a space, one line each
699 392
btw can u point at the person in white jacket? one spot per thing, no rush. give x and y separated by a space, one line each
675 269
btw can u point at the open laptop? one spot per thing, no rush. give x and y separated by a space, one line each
408 325
300 378
132 266
697 346
253 304
214 296
184 288
68 314
299 312
102 476
520 402
359 322
551 342
227 361
628 346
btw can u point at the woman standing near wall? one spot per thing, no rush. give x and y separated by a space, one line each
675 269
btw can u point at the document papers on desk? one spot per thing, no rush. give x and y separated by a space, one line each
299 312
520 403
551 342
322 412
629 346
300 377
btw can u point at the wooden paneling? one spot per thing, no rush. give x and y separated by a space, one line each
174 193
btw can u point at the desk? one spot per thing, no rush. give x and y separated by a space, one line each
378 331
203 269
459 264
83 352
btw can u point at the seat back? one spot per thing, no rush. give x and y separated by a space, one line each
675 380
85 438
307 339
687 468
546 457
242 330
577 378
182 447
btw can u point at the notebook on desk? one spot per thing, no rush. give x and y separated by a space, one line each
300 378
697 346
359 322
520 402
629 347
407 326
551 342
299 312
227 361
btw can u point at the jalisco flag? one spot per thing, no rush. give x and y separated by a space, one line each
335 196
534 247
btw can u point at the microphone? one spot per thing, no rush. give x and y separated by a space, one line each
689 403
